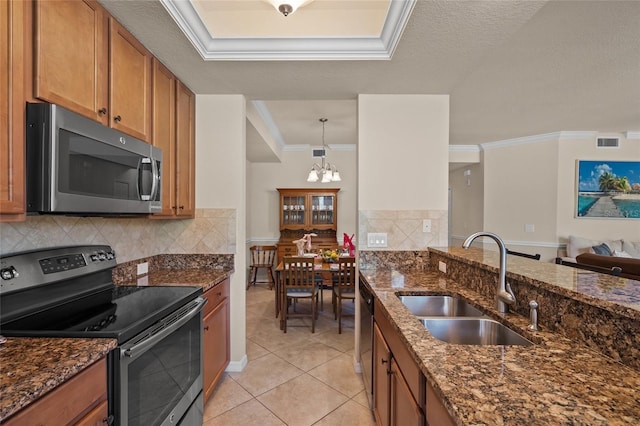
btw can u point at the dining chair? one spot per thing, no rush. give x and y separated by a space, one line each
262 257
344 287
298 283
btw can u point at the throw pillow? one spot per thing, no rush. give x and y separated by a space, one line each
621 253
602 249
631 247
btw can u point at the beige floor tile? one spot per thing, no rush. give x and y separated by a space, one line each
361 398
309 355
302 401
343 342
339 374
269 336
265 373
227 395
255 351
351 414
251 413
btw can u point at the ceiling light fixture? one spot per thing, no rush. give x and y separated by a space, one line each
326 172
287 7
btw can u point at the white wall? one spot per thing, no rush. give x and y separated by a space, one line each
403 155
403 169
467 202
221 183
292 172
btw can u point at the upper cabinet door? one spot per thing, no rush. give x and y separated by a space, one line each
185 151
164 132
12 100
130 83
70 57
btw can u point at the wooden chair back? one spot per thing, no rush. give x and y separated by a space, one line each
298 272
263 256
346 276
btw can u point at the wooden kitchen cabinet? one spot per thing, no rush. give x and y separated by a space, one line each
185 152
306 210
129 83
82 400
174 133
164 132
216 340
399 387
70 57
87 62
437 414
12 107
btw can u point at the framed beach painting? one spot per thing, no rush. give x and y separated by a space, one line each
608 189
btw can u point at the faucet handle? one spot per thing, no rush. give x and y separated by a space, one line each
533 316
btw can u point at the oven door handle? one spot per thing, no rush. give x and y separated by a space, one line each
164 332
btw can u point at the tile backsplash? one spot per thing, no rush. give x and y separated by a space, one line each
404 228
212 231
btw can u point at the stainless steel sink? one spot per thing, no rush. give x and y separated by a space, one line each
439 306
473 331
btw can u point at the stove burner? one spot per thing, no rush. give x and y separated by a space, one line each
110 319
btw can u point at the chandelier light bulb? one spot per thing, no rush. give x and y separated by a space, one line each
287 7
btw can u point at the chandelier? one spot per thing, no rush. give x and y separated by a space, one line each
325 172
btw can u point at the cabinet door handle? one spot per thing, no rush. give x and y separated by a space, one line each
219 293
181 207
383 361
102 111
206 328
117 118
108 420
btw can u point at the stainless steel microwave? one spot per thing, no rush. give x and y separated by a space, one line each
76 166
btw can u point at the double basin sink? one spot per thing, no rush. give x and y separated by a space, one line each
453 320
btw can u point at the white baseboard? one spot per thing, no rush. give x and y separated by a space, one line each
237 366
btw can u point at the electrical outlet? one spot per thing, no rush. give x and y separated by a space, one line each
377 239
442 267
143 268
529 227
426 225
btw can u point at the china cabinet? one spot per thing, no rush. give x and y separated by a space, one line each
304 211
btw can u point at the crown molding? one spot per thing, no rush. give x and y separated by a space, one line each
332 147
273 49
464 148
538 138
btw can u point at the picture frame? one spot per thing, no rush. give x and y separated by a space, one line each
607 189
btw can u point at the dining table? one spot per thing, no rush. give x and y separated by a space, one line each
324 269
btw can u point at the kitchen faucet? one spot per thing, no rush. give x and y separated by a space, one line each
504 296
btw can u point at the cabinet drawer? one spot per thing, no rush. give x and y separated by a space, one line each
215 295
415 379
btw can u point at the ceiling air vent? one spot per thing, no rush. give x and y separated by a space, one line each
608 142
317 152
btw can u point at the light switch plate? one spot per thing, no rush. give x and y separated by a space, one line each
377 239
143 268
426 225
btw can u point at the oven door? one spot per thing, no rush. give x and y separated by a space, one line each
158 377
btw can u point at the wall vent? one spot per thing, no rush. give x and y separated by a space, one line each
608 142
317 152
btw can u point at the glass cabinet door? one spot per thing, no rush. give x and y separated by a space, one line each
322 209
293 210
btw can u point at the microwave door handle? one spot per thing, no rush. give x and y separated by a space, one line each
145 160
156 179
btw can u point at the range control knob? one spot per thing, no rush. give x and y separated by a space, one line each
9 273
102 256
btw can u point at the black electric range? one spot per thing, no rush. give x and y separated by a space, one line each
154 375
68 292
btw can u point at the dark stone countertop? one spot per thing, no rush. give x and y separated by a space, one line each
555 381
31 367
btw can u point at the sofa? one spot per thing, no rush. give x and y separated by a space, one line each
607 254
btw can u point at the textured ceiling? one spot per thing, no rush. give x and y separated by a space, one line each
512 68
